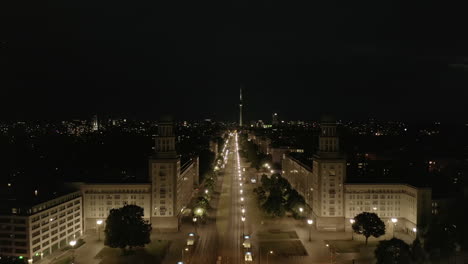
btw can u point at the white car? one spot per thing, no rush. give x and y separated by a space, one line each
191 239
247 244
248 256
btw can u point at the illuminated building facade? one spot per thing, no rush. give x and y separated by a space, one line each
32 232
333 201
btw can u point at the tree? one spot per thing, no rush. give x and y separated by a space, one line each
274 204
261 194
125 227
202 202
368 224
210 182
294 201
440 239
417 252
267 183
393 251
282 182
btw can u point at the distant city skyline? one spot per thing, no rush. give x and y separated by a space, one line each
289 103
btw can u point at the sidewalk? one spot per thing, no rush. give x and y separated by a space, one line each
83 254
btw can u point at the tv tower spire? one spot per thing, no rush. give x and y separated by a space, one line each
240 107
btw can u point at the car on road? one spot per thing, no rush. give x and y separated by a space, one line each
191 239
248 256
247 244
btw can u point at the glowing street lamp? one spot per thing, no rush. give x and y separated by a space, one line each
301 209
269 253
182 262
243 220
242 199
310 222
243 210
352 221
394 221
199 211
98 225
194 220
72 244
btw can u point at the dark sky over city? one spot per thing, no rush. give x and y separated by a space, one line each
139 59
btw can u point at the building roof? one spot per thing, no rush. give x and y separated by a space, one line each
386 180
23 196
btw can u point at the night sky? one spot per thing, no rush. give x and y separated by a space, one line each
383 59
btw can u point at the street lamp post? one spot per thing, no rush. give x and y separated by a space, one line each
332 253
310 222
183 254
195 223
98 224
243 220
352 230
72 244
268 254
394 221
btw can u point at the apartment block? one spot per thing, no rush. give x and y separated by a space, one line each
38 230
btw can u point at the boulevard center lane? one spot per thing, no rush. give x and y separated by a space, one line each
228 217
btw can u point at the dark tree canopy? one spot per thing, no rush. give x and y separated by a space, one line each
440 239
125 227
418 255
261 194
251 151
274 204
202 202
393 251
368 224
277 196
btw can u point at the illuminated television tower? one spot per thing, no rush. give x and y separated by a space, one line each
240 108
